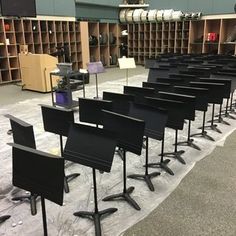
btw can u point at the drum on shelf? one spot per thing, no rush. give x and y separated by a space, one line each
177 15
160 15
152 15
144 16
129 16
123 15
167 15
137 15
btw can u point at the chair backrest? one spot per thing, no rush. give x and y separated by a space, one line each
90 146
90 110
57 120
129 131
23 133
38 172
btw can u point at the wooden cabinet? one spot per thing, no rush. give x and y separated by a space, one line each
42 37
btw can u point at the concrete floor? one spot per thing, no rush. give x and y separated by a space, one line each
203 204
205 201
12 93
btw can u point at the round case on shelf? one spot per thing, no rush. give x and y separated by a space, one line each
167 15
123 15
177 15
137 15
152 15
160 15
144 16
129 16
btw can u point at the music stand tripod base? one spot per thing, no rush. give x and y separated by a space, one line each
96 215
146 177
4 218
125 195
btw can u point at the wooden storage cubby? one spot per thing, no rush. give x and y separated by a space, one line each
113 44
196 36
227 37
211 26
41 36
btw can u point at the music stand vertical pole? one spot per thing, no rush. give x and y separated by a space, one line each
124 171
96 78
127 76
44 217
66 186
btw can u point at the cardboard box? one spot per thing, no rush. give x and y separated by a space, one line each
24 49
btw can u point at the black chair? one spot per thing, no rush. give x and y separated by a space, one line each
92 147
213 89
129 133
201 104
23 134
155 122
175 121
40 173
188 112
58 121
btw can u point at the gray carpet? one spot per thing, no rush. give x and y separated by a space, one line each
203 204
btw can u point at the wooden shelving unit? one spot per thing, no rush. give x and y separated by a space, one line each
146 40
42 37
109 39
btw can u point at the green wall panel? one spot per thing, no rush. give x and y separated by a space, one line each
56 7
205 6
87 11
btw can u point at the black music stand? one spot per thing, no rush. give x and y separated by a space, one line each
175 121
129 133
94 148
201 104
227 74
157 72
188 110
23 134
158 86
226 94
216 93
40 173
120 104
4 218
95 68
90 110
139 93
155 122
58 121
